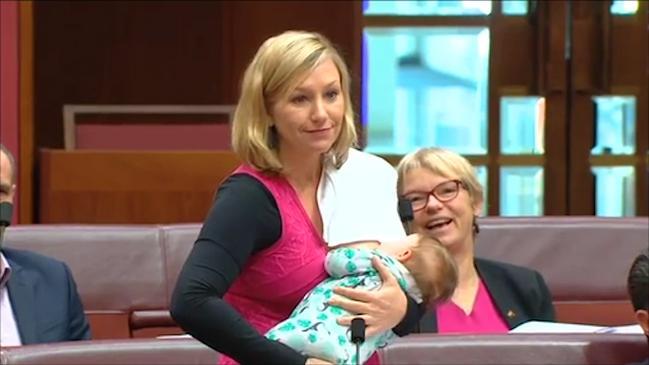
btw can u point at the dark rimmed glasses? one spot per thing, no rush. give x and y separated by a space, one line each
443 192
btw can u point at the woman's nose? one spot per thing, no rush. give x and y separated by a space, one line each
433 203
319 112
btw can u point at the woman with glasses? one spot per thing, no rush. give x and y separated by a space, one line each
491 297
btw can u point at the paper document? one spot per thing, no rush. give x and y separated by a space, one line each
557 327
168 337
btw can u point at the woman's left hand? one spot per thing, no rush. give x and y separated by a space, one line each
381 309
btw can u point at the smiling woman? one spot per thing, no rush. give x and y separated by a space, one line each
491 296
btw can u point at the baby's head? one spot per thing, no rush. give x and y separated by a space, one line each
429 263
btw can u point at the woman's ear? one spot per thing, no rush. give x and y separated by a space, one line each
477 206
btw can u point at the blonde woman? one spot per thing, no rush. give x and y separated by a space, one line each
263 244
491 297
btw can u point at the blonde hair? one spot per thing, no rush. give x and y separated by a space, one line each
433 268
444 163
280 65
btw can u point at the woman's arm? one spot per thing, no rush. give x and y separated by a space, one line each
383 309
243 220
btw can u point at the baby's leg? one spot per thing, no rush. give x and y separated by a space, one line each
307 336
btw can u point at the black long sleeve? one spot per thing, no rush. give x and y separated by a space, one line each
410 322
224 245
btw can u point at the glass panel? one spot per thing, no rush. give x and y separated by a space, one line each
515 7
624 7
415 98
522 125
615 125
521 191
614 191
419 7
481 174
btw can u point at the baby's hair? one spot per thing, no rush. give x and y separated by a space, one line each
433 269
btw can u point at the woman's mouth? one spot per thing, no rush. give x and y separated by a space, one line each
319 130
438 224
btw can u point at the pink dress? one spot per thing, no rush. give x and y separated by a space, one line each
275 280
484 318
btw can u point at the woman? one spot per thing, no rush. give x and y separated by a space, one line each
491 297
263 244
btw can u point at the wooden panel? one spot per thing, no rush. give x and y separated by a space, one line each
26 112
161 52
511 68
605 313
124 52
130 187
610 57
250 25
553 85
108 325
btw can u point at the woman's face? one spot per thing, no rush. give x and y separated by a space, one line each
451 221
308 120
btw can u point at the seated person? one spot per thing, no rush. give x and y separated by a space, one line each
491 297
39 302
422 266
638 287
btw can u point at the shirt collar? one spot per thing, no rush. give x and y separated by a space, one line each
5 270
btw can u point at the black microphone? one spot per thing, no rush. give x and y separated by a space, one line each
405 213
6 210
358 336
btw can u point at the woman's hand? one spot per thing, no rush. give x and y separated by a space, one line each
314 361
381 309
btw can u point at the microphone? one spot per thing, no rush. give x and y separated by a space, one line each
358 336
405 213
6 210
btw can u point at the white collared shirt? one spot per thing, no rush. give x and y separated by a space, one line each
9 334
358 202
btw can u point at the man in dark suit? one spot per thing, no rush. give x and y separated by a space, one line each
39 302
638 287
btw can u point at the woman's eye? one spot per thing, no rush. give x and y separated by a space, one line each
332 95
298 99
416 198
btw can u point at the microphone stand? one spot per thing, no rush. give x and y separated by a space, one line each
406 214
358 336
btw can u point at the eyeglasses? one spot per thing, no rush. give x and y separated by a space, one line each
443 192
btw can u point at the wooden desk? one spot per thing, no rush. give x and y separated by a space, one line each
93 186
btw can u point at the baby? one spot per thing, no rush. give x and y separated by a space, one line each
422 266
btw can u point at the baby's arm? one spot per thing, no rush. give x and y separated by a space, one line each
346 261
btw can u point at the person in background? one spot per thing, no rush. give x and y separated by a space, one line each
491 297
424 269
39 302
638 287
263 244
